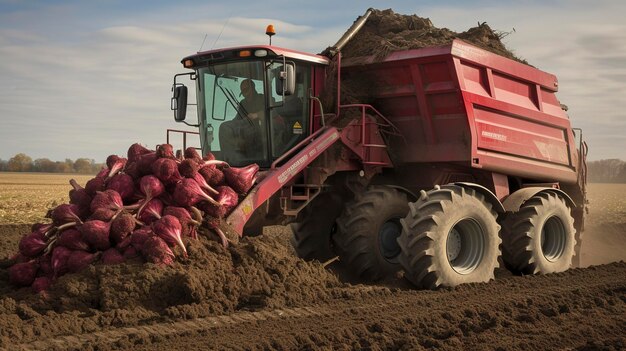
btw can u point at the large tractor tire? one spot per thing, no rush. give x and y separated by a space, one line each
368 231
449 237
316 223
540 237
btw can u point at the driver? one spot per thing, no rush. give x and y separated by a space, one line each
242 138
253 103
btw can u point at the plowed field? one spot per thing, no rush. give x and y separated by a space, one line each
259 296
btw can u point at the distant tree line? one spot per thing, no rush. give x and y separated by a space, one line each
24 163
607 171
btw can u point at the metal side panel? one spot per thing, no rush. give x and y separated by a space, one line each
277 178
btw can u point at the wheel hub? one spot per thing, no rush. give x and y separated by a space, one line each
465 246
388 240
553 238
453 245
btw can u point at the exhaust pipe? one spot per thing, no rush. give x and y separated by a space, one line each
331 51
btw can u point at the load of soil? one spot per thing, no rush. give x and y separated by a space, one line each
386 31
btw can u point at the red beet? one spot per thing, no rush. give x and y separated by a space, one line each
188 193
23 274
187 222
123 184
192 153
165 151
96 233
151 212
151 186
132 170
65 213
94 185
212 175
59 258
72 239
166 170
170 230
45 266
122 226
33 244
41 227
109 199
112 256
117 165
241 179
103 214
227 199
103 173
139 236
203 184
110 161
79 260
80 198
135 151
41 284
156 251
209 156
144 163
188 168
19 258
130 252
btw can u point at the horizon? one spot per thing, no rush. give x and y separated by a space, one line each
86 80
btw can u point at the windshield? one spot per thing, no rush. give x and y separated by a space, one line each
243 118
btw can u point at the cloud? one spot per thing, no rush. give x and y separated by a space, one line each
83 79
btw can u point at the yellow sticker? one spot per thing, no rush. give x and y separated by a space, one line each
297 128
247 208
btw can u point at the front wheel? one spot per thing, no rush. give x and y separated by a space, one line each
368 231
449 237
312 233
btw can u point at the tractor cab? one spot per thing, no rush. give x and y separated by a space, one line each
253 102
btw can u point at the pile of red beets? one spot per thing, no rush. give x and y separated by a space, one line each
146 205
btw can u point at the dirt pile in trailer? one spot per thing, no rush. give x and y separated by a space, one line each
386 31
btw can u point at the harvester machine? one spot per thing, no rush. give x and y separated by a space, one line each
456 157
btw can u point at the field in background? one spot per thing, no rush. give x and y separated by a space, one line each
26 197
604 238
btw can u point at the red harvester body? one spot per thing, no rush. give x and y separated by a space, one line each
429 122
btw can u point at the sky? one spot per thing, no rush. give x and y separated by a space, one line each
89 78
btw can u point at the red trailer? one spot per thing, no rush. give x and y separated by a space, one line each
451 157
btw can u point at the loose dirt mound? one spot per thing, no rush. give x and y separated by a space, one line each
386 31
260 272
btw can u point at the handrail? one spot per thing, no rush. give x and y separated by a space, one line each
183 132
377 113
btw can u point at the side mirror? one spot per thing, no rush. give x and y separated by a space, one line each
179 102
286 82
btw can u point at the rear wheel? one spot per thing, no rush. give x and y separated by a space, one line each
312 234
449 237
540 237
368 231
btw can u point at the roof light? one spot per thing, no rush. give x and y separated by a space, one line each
245 53
260 53
188 63
269 30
